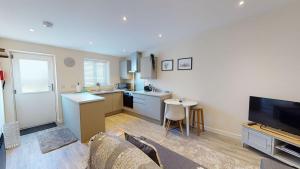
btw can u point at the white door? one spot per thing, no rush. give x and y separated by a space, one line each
34 89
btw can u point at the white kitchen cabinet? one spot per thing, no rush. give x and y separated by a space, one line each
147 71
148 106
125 67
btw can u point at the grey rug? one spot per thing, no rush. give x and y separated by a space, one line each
55 139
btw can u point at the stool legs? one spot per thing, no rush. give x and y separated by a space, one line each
191 118
198 123
202 119
197 113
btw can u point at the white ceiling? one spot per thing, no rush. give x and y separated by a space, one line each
77 22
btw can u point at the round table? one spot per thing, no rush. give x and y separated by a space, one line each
186 104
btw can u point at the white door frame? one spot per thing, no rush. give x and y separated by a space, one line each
53 57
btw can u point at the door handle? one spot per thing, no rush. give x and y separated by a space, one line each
51 86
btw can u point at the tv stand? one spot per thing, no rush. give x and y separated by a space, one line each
279 132
280 145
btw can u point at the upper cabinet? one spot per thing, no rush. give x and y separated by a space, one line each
148 68
135 61
125 67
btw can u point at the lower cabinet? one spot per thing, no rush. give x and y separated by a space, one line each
117 101
149 106
257 140
113 101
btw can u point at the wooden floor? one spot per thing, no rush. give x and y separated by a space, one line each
210 150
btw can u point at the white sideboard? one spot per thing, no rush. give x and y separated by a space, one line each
271 142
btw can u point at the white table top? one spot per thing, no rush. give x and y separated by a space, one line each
185 103
83 97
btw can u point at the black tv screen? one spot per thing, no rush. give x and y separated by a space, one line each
278 114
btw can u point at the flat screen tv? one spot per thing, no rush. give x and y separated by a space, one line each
278 114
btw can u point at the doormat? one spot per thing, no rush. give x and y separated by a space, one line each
37 128
55 139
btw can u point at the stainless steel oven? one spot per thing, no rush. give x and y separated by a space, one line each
128 99
2 153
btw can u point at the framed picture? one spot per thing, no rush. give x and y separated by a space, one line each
167 65
185 63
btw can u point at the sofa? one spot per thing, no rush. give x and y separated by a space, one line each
267 163
115 152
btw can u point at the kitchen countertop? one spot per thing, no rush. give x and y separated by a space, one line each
106 91
157 94
82 97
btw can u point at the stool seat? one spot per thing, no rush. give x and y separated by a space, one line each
196 107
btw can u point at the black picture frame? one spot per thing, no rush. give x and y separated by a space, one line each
172 64
190 67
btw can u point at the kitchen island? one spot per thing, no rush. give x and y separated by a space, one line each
84 114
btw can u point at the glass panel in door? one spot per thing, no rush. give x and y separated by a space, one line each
34 76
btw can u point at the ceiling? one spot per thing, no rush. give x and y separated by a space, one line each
97 25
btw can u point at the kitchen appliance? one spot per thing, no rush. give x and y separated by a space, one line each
148 88
135 61
128 99
278 114
2 153
2 145
123 86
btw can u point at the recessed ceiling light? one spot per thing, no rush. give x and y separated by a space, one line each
31 30
241 3
91 43
160 35
47 24
124 18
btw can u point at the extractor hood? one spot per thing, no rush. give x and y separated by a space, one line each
135 61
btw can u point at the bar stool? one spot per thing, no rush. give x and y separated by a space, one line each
197 111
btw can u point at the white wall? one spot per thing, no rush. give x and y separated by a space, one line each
66 77
258 56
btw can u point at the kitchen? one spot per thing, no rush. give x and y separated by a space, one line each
129 96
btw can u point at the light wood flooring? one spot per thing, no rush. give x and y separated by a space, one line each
210 150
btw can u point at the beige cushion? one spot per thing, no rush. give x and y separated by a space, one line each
113 152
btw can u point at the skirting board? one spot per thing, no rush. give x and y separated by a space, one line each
224 133
208 128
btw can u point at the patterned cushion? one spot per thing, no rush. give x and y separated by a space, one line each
109 152
147 148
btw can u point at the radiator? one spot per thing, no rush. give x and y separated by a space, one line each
2 153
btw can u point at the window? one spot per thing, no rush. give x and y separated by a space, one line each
96 71
34 75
